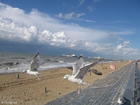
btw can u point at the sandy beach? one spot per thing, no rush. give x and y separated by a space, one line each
27 90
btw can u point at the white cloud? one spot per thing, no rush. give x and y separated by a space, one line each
81 2
71 15
57 39
90 21
128 32
126 43
60 15
130 52
78 44
80 14
103 48
120 46
120 39
40 28
114 22
31 34
90 8
118 34
93 47
45 22
123 50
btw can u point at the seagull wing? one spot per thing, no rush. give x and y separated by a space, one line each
77 65
35 63
83 70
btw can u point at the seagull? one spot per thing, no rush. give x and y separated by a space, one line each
121 100
79 71
34 66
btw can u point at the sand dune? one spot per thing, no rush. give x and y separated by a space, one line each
27 90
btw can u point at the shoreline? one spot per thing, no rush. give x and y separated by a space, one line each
27 90
2 73
44 69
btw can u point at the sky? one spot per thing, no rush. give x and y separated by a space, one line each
106 28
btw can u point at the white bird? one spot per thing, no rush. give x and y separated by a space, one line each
79 71
35 63
121 100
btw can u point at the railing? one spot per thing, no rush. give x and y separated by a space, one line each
136 91
130 92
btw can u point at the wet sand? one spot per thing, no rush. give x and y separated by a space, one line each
28 90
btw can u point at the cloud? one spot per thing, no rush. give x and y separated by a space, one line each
125 50
120 39
128 32
126 43
30 35
117 34
56 39
90 9
114 22
60 15
45 22
90 21
102 48
16 25
130 52
120 46
81 2
71 15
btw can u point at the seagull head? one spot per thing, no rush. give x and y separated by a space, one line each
66 76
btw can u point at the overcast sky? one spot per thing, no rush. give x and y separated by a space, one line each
106 27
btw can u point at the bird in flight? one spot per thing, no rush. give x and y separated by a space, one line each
35 63
79 71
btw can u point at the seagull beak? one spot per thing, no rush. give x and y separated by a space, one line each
63 79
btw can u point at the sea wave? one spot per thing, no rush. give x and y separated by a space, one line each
23 67
17 62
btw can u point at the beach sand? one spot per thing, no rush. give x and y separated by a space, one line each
27 90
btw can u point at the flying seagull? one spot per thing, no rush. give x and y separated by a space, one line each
35 63
79 71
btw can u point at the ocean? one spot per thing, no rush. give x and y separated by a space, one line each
17 62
